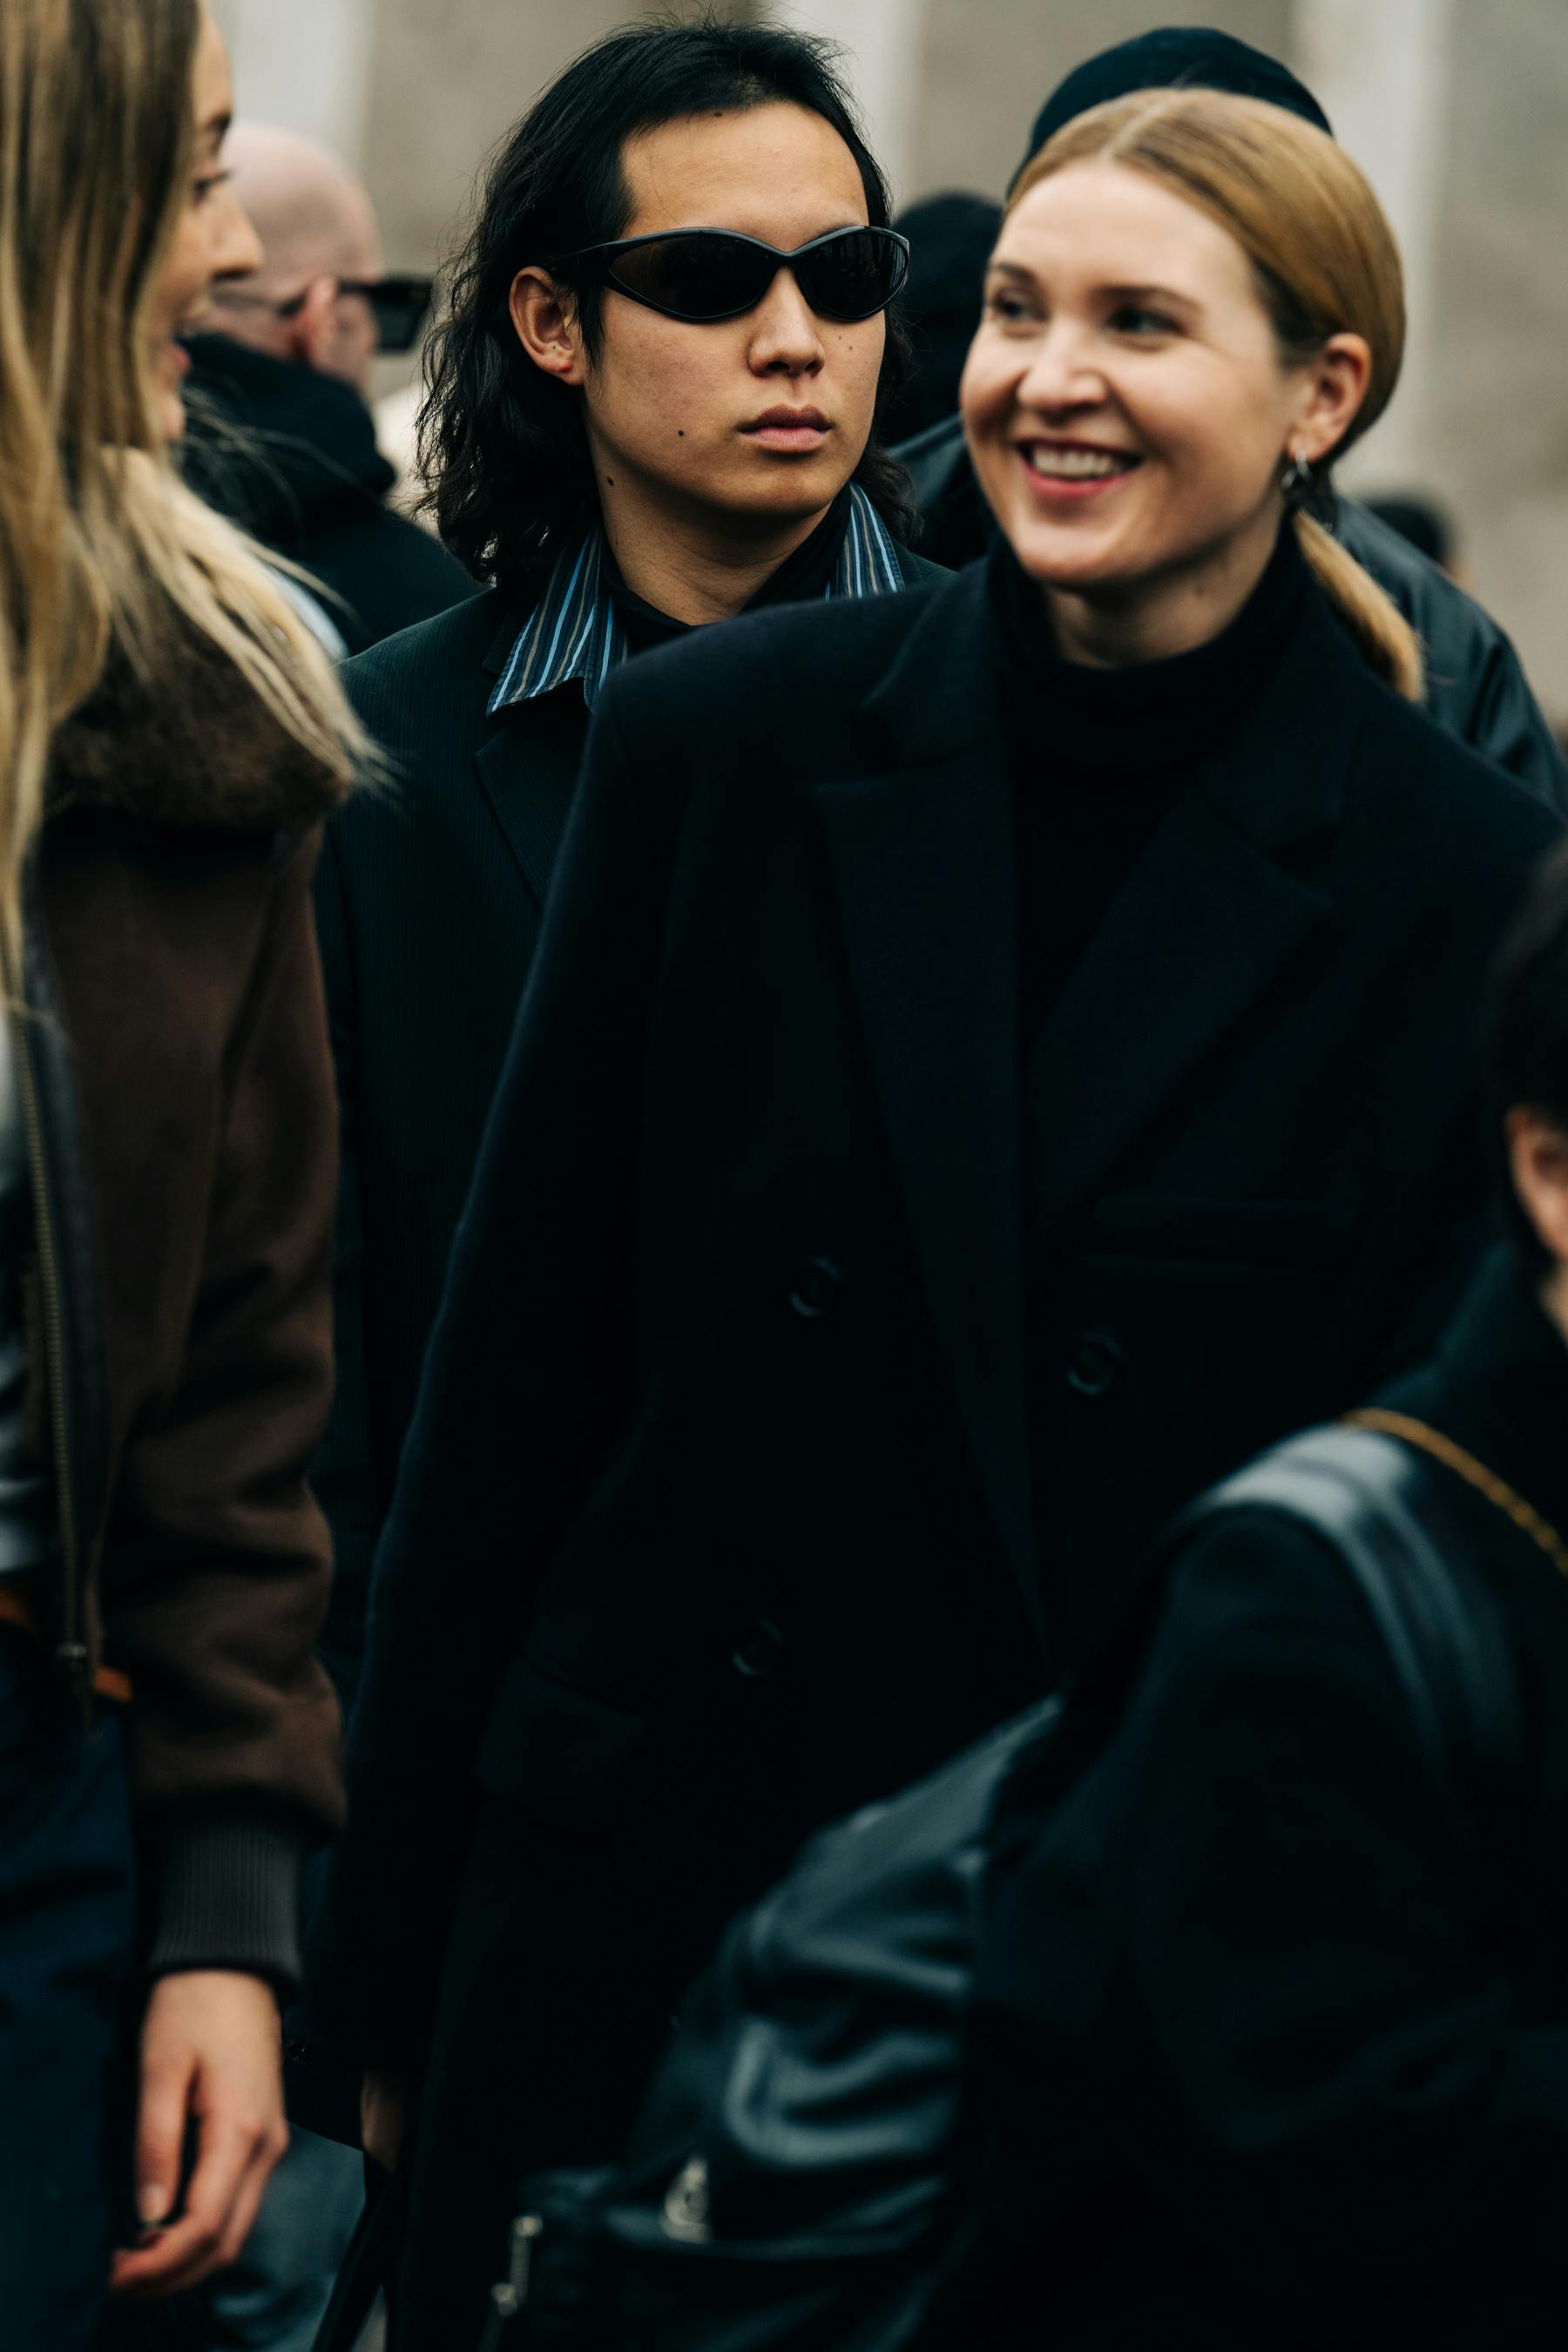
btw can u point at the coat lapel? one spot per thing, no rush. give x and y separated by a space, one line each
1208 920
921 858
528 765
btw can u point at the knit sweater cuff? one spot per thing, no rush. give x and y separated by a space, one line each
225 1892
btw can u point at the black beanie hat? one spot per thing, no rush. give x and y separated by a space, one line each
1176 58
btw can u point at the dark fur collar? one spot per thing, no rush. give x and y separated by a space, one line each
203 752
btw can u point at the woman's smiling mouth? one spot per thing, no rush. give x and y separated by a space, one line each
1074 470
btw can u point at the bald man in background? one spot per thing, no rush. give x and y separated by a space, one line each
289 363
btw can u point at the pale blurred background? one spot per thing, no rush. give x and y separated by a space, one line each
1458 110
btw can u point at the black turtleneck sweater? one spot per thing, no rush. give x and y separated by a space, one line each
1098 754
806 573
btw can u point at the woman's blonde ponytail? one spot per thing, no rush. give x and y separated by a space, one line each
1385 638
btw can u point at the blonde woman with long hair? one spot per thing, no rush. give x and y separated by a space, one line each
170 736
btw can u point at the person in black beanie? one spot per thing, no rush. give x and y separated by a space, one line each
1178 56
1475 685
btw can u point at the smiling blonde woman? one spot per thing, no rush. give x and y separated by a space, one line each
169 739
1138 439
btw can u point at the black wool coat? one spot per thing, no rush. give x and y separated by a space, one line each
715 1516
429 899
1270 2039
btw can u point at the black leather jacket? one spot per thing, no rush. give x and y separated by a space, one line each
1475 686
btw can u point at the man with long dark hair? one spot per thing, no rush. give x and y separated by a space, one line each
652 405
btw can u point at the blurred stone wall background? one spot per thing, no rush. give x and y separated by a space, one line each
1457 110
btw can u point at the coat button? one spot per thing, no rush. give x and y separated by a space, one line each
1096 1362
760 1653
815 1288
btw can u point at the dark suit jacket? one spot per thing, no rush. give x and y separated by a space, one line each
429 899
715 1517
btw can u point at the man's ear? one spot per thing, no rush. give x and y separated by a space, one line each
1537 1161
544 320
314 328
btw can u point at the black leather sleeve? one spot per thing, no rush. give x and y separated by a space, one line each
1476 687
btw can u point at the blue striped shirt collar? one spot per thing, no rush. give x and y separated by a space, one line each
577 632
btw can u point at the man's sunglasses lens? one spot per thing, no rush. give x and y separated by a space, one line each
716 277
694 276
854 276
401 305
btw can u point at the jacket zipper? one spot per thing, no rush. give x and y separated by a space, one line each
508 2299
70 1650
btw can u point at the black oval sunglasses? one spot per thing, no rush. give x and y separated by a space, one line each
702 275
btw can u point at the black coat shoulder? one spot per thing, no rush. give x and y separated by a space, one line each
785 679
1417 779
1476 687
412 679
414 684
920 571
827 689
422 697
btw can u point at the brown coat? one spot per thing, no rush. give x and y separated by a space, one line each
188 1170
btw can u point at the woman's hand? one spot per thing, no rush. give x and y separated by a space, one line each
384 2117
211 2058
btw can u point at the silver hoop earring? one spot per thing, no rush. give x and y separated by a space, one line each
1297 479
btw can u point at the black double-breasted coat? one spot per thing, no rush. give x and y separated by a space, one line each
430 898
806 1385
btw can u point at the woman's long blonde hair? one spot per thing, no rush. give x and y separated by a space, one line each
1325 260
102 548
